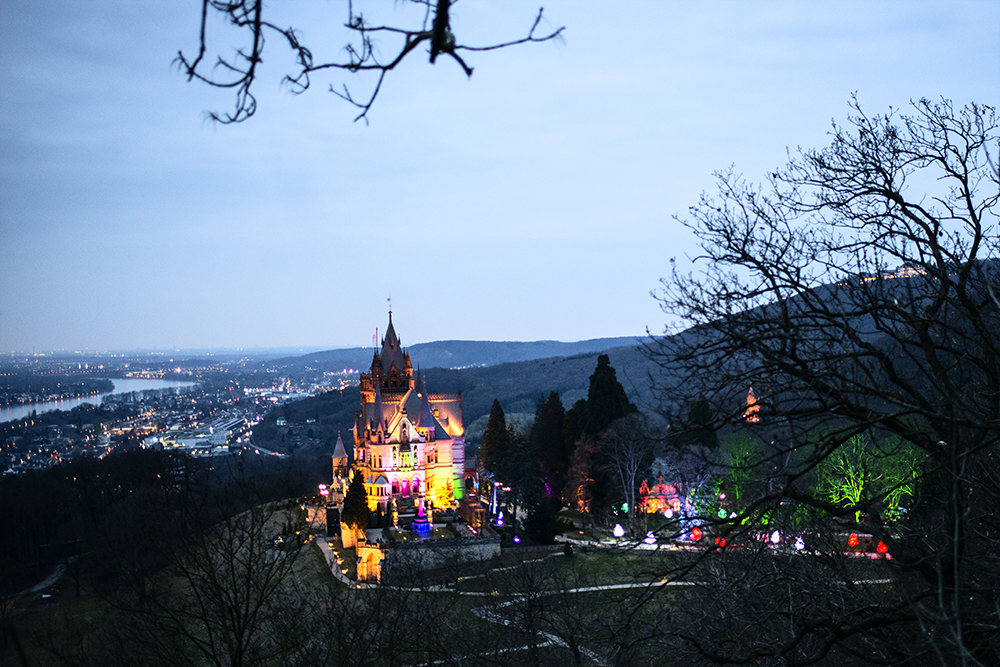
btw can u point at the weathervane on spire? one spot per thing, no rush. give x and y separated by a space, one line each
390 307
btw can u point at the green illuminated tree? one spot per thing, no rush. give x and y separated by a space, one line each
848 474
740 464
861 471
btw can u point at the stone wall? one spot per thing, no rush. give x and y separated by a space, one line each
420 556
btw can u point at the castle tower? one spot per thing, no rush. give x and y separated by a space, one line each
408 442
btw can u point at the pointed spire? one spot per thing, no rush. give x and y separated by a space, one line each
379 415
416 382
392 350
339 451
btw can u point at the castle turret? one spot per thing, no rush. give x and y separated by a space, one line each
378 416
340 460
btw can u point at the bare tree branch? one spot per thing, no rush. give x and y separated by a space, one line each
239 72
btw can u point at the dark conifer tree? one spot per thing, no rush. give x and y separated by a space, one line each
700 425
573 425
547 441
356 514
495 440
606 400
541 457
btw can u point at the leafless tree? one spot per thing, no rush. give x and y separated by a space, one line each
225 595
859 287
433 28
630 446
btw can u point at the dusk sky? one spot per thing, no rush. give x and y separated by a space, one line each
532 201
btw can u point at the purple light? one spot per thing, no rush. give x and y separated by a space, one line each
516 539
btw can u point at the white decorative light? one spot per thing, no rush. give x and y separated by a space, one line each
618 531
775 537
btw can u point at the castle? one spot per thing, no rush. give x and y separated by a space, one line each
408 444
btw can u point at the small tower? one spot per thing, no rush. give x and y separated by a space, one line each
340 459
752 413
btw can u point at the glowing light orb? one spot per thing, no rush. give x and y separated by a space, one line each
722 514
775 537
500 519
695 534
669 514
650 538
618 530
882 548
800 544
516 539
852 541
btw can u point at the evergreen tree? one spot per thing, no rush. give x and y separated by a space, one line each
356 514
495 440
606 400
504 453
572 432
573 425
700 429
547 442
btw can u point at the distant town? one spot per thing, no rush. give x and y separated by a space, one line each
56 407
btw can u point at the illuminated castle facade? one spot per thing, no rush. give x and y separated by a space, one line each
408 444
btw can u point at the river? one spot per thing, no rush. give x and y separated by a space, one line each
122 386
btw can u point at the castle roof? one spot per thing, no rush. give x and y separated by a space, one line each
392 351
425 419
339 451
